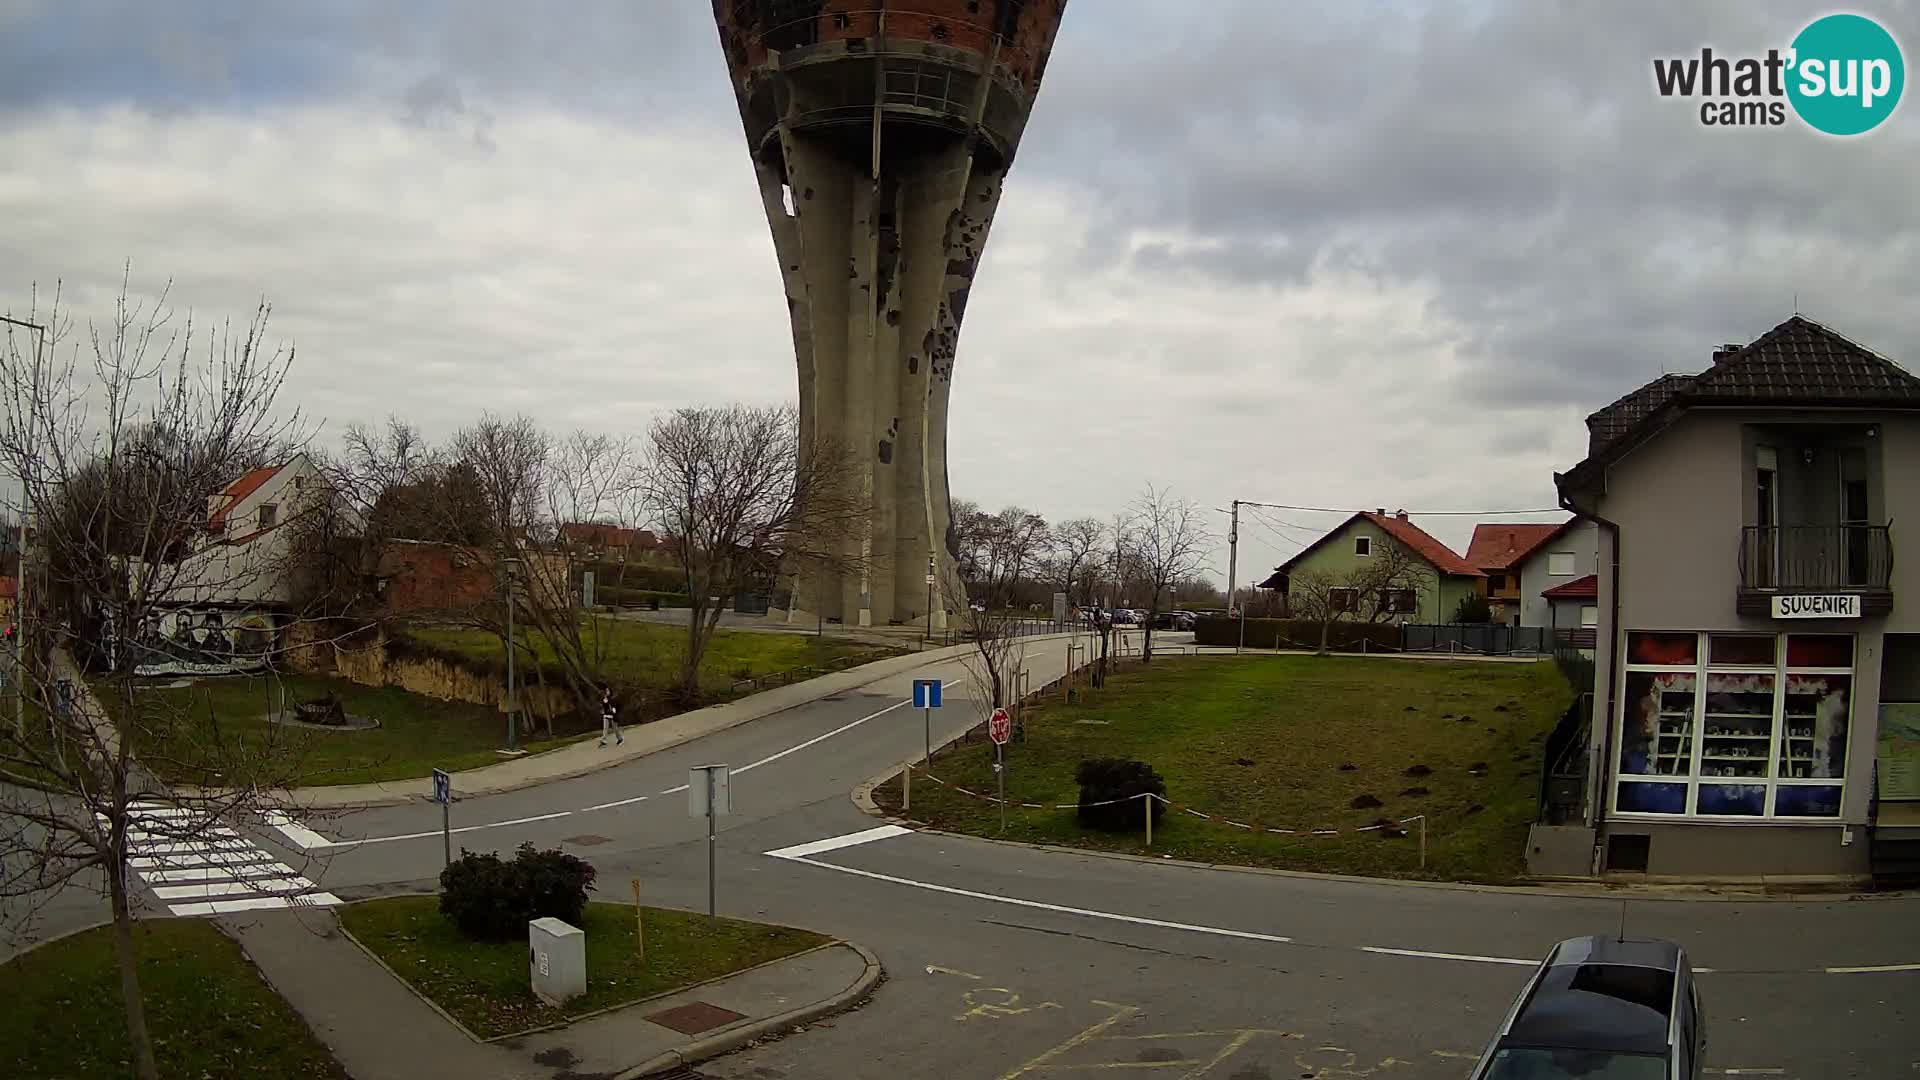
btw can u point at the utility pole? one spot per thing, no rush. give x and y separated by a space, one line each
513 732
928 639
26 513
1233 565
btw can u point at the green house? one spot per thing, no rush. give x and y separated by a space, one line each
1385 567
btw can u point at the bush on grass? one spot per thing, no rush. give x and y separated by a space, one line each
490 899
1103 780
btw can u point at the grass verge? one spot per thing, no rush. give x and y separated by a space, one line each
649 654
416 733
484 985
1293 742
210 1012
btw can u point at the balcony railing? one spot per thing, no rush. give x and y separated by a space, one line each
1780 558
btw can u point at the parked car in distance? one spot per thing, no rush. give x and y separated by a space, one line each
1124 617
1173 620
1602 1008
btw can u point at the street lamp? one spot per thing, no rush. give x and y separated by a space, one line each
510 570
26 503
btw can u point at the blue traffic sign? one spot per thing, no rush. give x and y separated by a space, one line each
442 787
926 693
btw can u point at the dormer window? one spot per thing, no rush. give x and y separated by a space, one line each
269 513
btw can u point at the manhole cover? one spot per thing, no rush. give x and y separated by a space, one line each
695 1017
586 841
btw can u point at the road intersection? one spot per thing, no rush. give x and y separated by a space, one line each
1011 961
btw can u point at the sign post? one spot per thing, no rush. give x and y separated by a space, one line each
709 795
443 794
926 698
1000 729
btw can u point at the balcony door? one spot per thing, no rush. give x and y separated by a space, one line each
1766 471
1854 531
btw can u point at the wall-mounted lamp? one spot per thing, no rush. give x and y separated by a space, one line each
1806 455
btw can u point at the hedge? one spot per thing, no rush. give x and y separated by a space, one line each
617 596
609 576
1342 636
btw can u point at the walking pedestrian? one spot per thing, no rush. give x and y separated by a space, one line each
609 717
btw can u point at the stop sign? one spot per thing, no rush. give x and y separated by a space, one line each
1000 727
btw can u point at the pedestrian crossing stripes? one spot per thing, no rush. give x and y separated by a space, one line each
200 868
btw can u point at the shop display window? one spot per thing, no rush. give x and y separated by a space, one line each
1734 725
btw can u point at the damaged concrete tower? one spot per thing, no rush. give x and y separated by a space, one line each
881 133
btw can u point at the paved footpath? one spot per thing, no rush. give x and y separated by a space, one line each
379 1030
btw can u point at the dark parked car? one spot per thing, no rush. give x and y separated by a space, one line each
1173 620
1602 1008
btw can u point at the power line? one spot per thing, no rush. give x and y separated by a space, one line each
1410 513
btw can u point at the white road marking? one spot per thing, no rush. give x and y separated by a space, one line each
822 738
216 873
1450 956
835 843
202 858
616 802
302 837
1871 968
256 903
175 849
1137 920
462 829
207 890
675 790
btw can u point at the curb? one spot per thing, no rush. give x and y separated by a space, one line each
694 1052
1562 888
714 1045
894 665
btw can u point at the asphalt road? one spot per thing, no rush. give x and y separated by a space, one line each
1007 961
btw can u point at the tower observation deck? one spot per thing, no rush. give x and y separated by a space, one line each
880 133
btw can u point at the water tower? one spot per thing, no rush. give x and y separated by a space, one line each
881 133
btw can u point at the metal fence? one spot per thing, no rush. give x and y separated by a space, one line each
1485 639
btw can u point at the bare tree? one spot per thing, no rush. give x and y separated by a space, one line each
1017 540
118 449
1077 547
998 653
744 500
1169 542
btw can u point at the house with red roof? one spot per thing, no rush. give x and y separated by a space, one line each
1525 561
1436 580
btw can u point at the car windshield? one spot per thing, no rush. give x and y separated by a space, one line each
1528 1063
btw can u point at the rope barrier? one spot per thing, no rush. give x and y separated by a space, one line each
1169 804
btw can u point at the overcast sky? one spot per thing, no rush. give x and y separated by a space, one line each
1373 254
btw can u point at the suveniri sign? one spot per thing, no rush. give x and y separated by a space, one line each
1816 607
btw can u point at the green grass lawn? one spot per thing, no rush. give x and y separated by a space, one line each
484 985
649 654
1263 740
209 1011
416 733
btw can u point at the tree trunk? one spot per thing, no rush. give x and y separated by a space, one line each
1326 626
137 1037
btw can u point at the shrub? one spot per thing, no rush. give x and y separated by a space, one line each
492 900
1105 779
1473 608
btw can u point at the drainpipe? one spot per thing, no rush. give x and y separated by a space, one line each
1603 714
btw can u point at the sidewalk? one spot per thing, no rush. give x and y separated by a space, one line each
584 756
379 1029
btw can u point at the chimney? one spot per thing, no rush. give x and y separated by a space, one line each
1381 511
1401 514
1724 353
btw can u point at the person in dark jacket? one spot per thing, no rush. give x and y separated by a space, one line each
609 717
